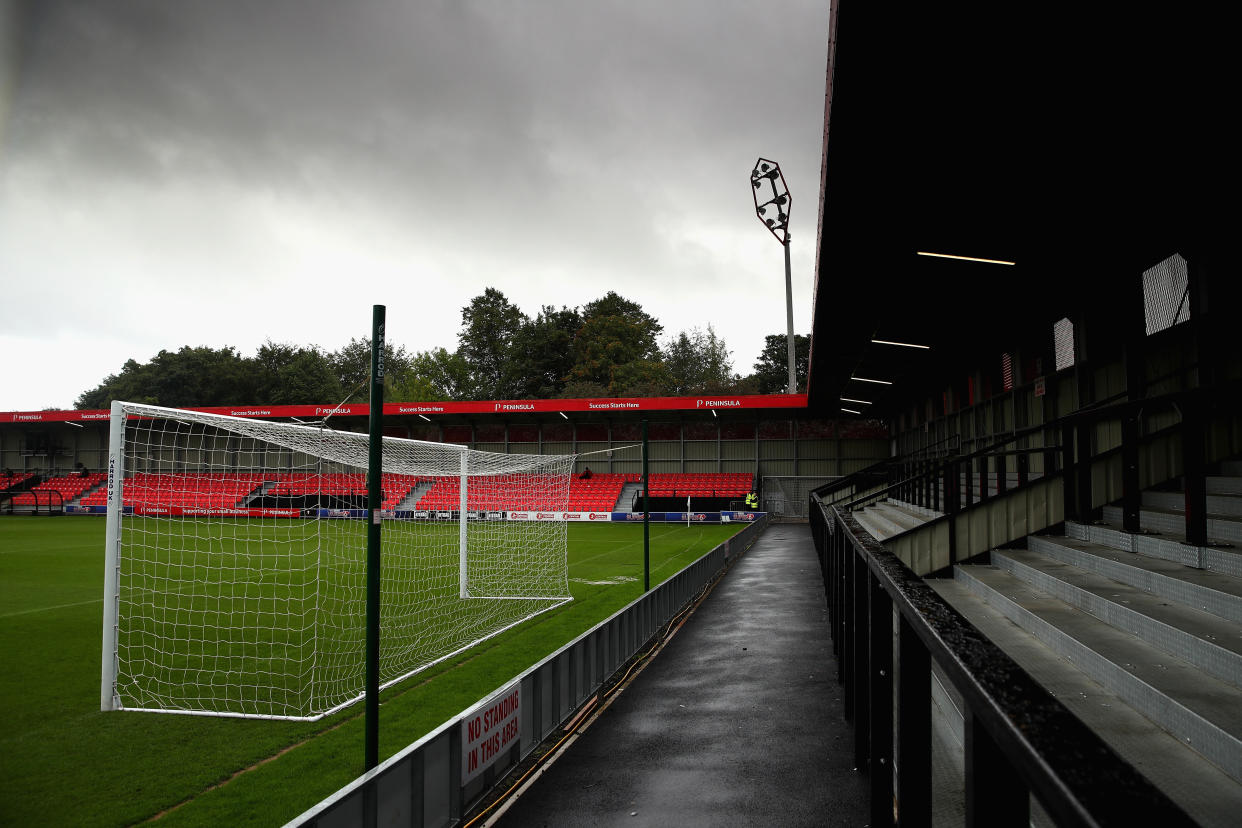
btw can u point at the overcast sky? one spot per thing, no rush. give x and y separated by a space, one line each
218 172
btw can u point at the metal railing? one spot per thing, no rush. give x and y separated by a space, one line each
1020 742
918 476
1086 472
882 473
32 502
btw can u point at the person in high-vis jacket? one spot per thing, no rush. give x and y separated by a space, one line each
752 500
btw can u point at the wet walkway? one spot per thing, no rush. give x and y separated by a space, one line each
737 722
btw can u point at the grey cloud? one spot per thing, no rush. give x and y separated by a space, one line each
567 141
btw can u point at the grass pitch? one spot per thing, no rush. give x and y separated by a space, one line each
64 762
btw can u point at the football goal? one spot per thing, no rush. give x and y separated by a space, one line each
235 578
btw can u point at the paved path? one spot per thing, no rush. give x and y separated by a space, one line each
737 722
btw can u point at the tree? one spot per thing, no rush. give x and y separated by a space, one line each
772 368
437 374
640 378
489 325
582 389
352 365
291 375
541 357
132 384
614 332
698 363
744 385
201 376
613 304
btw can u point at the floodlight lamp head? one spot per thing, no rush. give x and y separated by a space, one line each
770 172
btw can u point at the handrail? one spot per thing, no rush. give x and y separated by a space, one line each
956 439
878 467
38 501
1019 739
920 483
1089 415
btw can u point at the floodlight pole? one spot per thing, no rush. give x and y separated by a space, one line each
789 331
781 199
375 460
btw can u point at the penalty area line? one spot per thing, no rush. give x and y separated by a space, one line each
49 609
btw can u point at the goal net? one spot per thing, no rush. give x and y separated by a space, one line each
235 582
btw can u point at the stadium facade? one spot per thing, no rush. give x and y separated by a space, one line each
773 438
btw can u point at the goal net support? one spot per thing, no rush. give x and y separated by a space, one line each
235 577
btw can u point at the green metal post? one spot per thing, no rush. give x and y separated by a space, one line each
646 517
374 499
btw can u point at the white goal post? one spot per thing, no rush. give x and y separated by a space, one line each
235 575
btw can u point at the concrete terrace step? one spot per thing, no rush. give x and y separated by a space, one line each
1208 641
1225 505
1152 544
900 515
889 517
1197 708
925 513
1172 523
1209 591
415 494
1224 485
257 493
626 499
1207 794
76 501
876 524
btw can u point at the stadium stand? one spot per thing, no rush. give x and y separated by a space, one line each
71 486
394 487
205 491
187 489
14 480
734 484
599 492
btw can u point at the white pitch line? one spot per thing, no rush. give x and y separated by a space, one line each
627 545
48 609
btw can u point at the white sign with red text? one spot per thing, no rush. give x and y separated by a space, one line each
563 516
490 730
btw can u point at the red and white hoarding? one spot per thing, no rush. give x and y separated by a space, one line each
563 516
752 401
